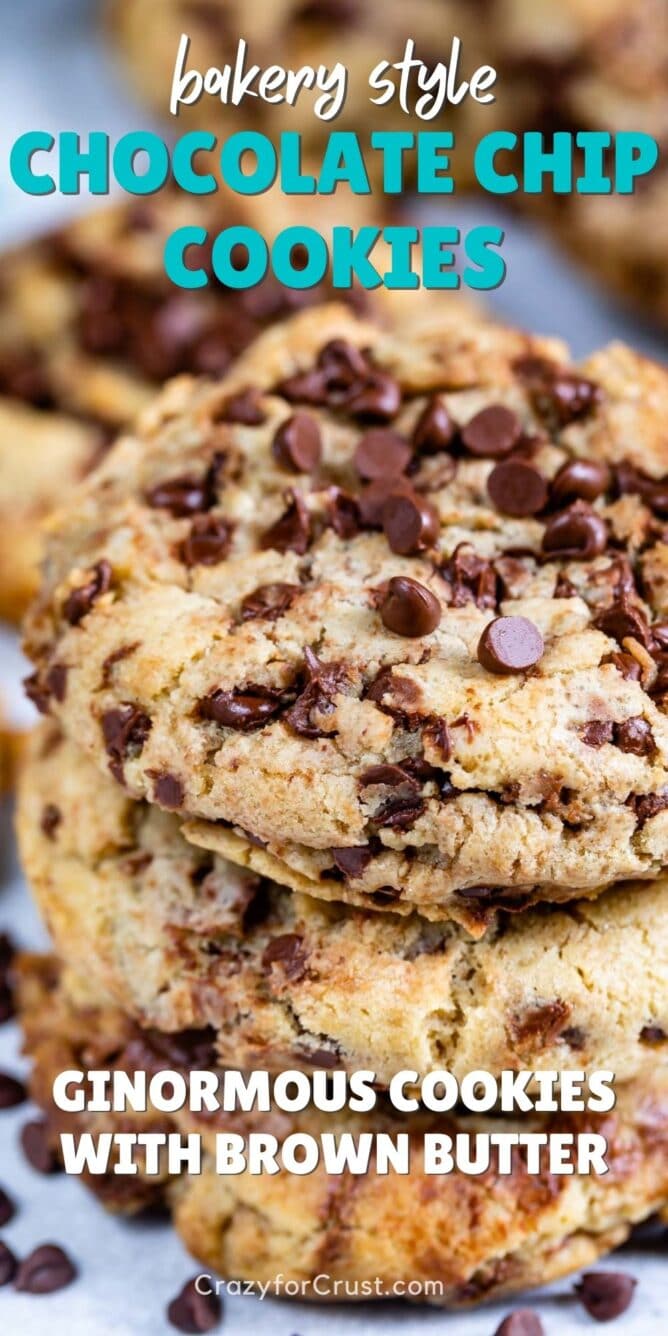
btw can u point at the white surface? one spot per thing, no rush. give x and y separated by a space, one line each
54 75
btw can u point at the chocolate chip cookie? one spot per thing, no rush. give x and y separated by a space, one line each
181 940
386 610
529 1228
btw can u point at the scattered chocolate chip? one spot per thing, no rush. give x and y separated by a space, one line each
558 395
653 1034
510 645
580 479
410 522
575 1037
542 1023
409 608
242 709
353 860
243 407
50 820
577 533
405 694
180 496
45 1270
343 513
12 1091
323 682
378 398
492 433
434 429
116 656
7 1209
167 790
635 735
517 488
523 1322
268 601
208 542
382 454
648 805
605 1294
472 579
291 531
623 619
626 665
80 601
297 444
37 1148
125 730
288 952
399 813
193 1312
390 775
56 681
8 1263
598 732
371 499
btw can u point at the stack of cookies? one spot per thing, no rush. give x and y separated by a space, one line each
355 663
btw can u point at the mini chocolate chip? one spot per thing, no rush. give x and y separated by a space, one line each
635 735
268 601
391 775
50 820
208 542
56 681
125 730
45 1270
434 429
167 790
523 1322
623 619
353 860
243 407
581 479
596 733
8 1263
12 1091
517 488
510 645
492 433
288 952
242 709
409 608
410 522
297 444
577 533
382 454
37 1148
194 1312
378 399
605 1294
291 531
80 601
653 1034
7 1209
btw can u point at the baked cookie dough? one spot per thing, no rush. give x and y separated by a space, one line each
181 940
386 607
480 1237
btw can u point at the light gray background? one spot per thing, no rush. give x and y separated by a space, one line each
55 74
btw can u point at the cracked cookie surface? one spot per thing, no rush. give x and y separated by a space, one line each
307 606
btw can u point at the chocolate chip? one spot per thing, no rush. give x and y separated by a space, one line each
291 532
37 691
624 619
378 399
8 1263
581 479
596 733
343 513
181 496
399 813
167 790
510 645
605 1294
405 695
353 860
297 444
635 735
382 454
45 1270
7 1007
243 709
492 433
371 499
193 1312
50 820
56 681
7 1209
517 488
577 533
410 522
543 1023
523 1322
472 578
208 542
563 587
558 395
653 1034
37 1148
268 601
648 805
288 952
323 682
12 1091
434 429
80 601
243 407
125 730
409 608
390 775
